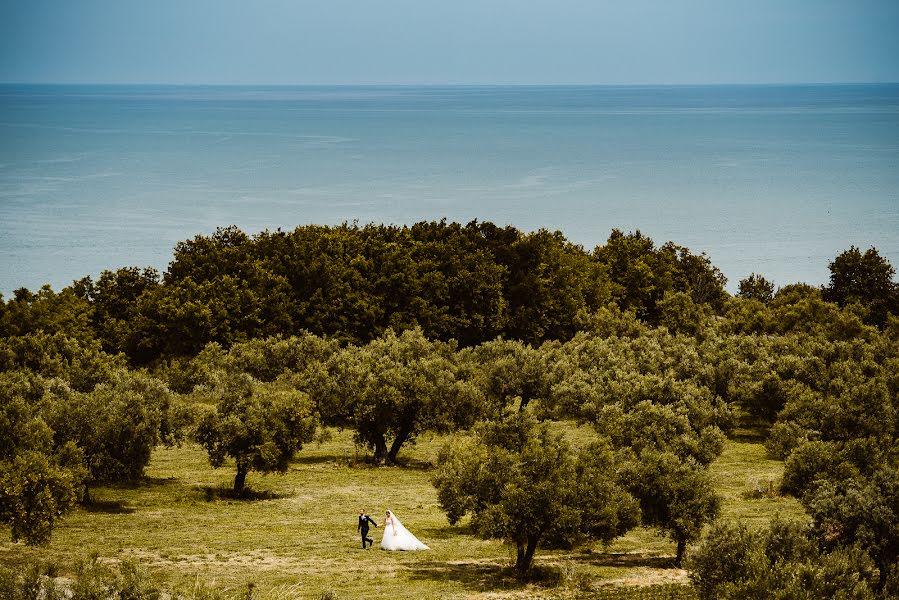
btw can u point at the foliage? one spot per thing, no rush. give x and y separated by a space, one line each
471 283
113 299
116 425
675 495
269 358
35 490
642 274
866 279
259 426
38 483
756 287
392 389
47 312
524 485
681 314
862 512
662 427
509 372
83 365
733 562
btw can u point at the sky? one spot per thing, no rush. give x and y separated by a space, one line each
449 41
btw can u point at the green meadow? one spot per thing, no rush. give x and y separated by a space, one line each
295 535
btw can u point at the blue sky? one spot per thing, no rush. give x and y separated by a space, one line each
449 41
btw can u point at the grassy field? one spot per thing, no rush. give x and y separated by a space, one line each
297 537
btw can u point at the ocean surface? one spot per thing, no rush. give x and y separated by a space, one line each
776 180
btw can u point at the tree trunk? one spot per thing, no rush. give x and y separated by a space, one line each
240 479
525 553
380 450
681 549
401 438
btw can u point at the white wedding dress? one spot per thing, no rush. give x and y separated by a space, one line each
397 537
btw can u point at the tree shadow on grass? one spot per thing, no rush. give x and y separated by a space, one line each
369 462
753 435
318 459
749 429
485 577
492 576
113 507
226 492
625 560
448 532
415 464
142 482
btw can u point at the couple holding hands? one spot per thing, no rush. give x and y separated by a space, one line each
396 537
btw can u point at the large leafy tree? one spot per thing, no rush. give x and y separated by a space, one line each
260 426
35 490
641 274
756 287
114 299
394 388
734 562
37 483
864 512
45 311
116 425
675 495
525 485
549 280
509 372
82 364
864 278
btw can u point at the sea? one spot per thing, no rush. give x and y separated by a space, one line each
768 179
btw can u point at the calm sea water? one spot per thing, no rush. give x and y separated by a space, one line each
776 180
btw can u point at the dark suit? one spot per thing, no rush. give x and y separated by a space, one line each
364 520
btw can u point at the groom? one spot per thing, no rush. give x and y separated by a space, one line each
364 520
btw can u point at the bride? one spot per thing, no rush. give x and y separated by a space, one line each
397 537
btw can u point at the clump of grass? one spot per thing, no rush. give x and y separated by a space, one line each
133 582
575 578
665 591
760 489
202 591
36 581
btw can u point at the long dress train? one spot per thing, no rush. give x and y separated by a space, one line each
397 537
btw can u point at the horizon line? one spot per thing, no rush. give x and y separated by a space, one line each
446 84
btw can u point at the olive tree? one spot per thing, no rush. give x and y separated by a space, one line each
735 562
116 425
37 484
35 490
756 287
260 426
525 485
509 372
675 495
394 388
863 511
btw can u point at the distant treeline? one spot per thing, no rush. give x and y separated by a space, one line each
469 282
472 283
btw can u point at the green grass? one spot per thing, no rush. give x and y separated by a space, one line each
298 538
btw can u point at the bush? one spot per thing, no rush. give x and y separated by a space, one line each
734 563
723 556
34 492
